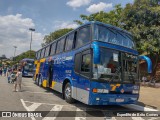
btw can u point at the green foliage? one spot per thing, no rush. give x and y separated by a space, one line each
22 56
54 35
142 19
113 17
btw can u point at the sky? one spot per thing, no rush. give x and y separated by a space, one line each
45 16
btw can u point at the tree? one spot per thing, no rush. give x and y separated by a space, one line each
142 19
23 55
113 17
54 35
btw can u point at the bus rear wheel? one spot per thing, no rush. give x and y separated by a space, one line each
68 93
37 80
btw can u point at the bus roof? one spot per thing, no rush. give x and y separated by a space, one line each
88 23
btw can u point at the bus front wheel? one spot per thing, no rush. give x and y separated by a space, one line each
68 93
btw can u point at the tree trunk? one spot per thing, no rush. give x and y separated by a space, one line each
155 64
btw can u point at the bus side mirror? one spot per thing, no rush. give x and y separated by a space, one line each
96 53
149 62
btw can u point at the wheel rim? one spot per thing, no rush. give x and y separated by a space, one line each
68 92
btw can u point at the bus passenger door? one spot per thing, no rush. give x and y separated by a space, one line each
50 73
83 70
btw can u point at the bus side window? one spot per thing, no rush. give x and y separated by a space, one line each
83 36
42 53
39 54
47 51
60 45
53 48
86 63
77 62
69 42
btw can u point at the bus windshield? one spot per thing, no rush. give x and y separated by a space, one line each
29 66
130 64
113 36
112 69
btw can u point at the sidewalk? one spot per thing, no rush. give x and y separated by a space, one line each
157 85
149 97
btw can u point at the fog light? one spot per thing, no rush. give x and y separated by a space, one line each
100 90
135 91
97 99
105 91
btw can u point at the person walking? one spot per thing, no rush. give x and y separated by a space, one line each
0 71
5 70
8 75
18 80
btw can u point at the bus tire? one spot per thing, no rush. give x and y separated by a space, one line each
37 80
68 93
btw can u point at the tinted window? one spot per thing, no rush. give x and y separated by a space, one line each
86 63
42 53
39 54
83 36
60 45
47 51
69 42
115 36
36 55
53 48
77 62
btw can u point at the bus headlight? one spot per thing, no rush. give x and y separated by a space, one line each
100 90
135 91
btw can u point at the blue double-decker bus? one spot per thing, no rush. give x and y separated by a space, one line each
96 64
27 66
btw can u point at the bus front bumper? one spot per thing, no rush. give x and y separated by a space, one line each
113 99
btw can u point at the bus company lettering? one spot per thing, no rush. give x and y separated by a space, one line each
61 60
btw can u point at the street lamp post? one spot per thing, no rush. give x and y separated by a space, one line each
14 52
31 29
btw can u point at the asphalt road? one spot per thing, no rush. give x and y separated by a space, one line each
35 98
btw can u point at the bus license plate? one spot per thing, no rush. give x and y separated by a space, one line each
119 100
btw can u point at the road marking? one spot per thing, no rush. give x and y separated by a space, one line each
80 118
137 107
34 106
82 115
24 105
48 103
137 118
55 108
153 118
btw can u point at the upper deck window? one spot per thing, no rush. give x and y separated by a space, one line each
53 48
83 36
60 45
47 51
42 53
69 42
38 54
115 36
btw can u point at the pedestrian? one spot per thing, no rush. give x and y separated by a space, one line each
18 80
8 75
144 79
0 71
5 70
